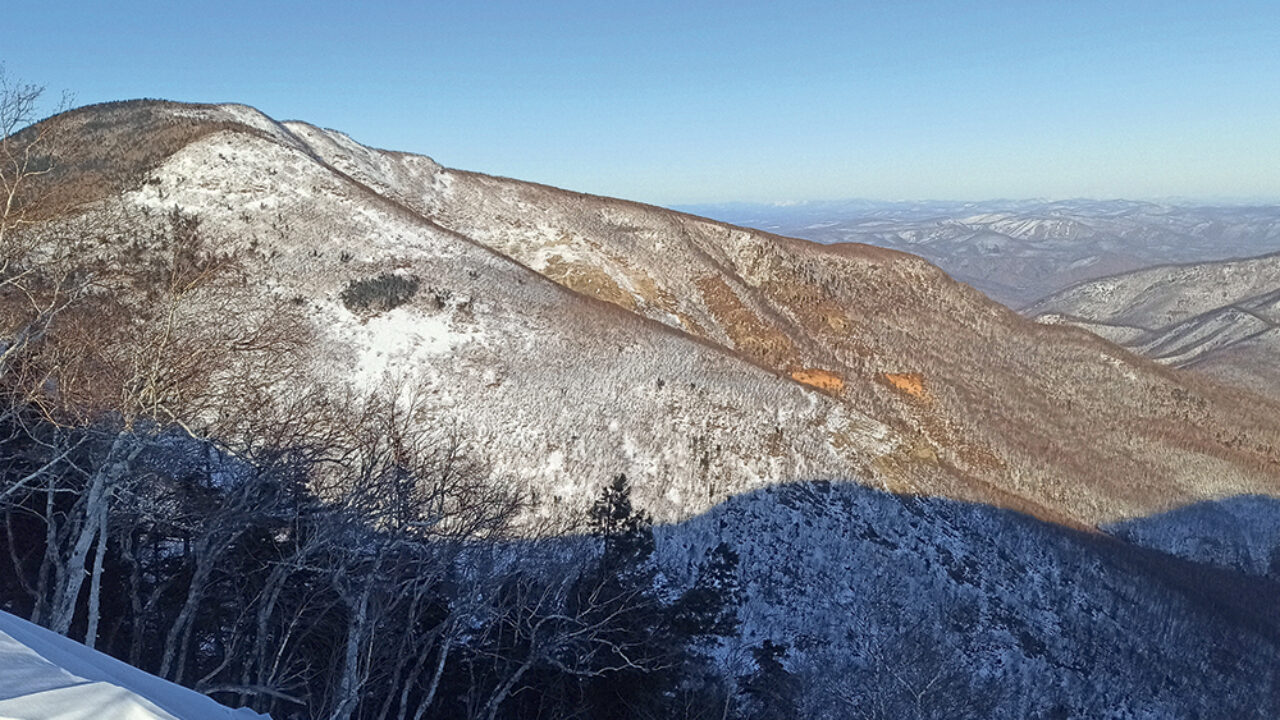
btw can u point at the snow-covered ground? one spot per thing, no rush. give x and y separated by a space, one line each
44 676
1221 319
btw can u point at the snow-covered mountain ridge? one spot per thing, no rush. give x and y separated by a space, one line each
1218 319
582 336
1021 251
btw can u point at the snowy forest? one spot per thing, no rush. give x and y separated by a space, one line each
396 597
177 492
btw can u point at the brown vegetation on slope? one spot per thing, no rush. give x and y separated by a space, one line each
1039 418
106 149
910 383
1063 421
824 380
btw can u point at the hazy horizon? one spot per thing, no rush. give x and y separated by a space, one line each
753 102
1175 200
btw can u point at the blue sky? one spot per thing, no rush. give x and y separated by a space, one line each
709 102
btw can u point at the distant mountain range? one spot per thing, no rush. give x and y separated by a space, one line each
1221 319
1018 251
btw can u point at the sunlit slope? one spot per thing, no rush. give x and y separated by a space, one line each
558 390
582 336
993 399
1218 319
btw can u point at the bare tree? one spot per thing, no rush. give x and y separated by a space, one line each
27 153
909 672
584 612
143 352
409 501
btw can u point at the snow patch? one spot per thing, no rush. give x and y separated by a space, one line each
396 339
45 676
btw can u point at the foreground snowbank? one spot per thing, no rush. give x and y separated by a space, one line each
44 676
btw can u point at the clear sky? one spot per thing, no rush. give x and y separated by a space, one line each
686 102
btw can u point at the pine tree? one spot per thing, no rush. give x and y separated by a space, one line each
771 690
627 533
710 607
622 587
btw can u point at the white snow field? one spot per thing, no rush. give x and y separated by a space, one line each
44 676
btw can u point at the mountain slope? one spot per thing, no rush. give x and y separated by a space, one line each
562 390
582 336
970 611
1220 319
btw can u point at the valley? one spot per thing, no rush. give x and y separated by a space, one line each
1216 319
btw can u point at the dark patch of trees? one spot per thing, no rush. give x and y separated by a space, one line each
380 293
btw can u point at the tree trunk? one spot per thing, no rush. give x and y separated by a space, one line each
50 549
135 598
271 592
73 571
407 640
490 710
435 679
95 583
180 630
349 686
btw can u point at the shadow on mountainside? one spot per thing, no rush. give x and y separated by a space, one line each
1240 533
1019 617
